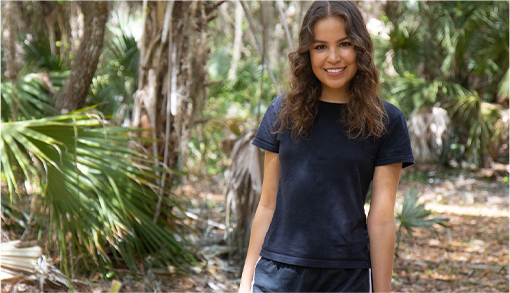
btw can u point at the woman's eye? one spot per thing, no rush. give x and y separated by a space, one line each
345 44
320 47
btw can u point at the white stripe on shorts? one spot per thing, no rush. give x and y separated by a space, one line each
369 280
253 279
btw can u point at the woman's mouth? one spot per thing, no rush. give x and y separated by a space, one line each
335 71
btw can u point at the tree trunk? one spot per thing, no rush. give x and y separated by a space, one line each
76 24
11 62
263 11
63 24
238 41
175 90
50 25
73 94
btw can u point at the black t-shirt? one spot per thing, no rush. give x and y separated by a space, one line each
319 220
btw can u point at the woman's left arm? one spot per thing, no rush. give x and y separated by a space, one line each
381 224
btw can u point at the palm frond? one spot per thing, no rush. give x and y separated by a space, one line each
408 48
244 186
116 80
38 53
413 215
481 120
99 192
411 92
29 97
504 86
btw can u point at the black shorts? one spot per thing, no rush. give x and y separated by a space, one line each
273 276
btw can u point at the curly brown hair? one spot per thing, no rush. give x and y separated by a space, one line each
364 114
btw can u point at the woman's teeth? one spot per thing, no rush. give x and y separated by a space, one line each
335 70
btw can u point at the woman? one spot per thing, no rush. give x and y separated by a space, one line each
326 142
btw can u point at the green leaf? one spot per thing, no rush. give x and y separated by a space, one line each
97 197
413 215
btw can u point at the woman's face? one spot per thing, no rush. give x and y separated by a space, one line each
333 58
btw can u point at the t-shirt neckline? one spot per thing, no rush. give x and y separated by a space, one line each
332 103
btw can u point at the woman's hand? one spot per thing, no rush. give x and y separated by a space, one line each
244 289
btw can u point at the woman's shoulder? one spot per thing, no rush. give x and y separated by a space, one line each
393 111
276 104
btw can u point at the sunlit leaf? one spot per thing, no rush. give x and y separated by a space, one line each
97 197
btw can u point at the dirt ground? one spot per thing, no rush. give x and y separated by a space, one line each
470 255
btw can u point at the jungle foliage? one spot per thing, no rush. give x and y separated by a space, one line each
453 55
85 184
79 184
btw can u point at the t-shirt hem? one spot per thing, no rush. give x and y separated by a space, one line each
405 160
264 145
327 264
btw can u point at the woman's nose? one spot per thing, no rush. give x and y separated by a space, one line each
334 55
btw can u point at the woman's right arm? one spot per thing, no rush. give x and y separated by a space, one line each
262 219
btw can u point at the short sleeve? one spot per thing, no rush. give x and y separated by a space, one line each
266 138
395 146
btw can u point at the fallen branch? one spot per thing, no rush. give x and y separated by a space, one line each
209 222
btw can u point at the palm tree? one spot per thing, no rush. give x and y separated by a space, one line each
93 194
452 55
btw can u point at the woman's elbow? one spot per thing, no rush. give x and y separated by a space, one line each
375 220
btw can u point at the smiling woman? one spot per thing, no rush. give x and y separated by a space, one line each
340 29
333 59
327 142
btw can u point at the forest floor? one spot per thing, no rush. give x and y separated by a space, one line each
470 255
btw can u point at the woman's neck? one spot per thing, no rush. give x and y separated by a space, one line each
339 96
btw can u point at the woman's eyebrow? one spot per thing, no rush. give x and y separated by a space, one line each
324 42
